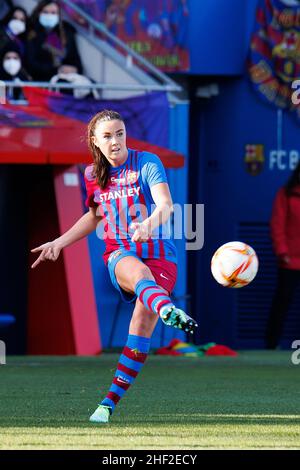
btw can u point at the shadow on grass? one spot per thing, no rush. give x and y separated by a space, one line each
159 420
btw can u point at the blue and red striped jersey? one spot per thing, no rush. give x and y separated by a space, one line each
127 198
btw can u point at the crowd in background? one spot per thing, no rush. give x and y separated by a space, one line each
38 47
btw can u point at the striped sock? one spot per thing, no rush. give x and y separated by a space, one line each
130 363
152 296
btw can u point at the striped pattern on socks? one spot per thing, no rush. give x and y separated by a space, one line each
152 296
130 363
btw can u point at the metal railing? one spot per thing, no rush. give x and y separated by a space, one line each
93 86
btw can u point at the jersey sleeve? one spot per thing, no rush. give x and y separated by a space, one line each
90 182
153 171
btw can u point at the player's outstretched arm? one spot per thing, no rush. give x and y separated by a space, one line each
83 227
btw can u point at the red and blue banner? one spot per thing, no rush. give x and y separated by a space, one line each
274 61
156 29
146 116
16 117
52 127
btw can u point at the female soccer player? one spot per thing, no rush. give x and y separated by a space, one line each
127 192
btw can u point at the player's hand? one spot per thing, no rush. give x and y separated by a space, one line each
49 251
141 232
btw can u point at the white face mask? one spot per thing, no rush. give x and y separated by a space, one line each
12 66
16 26
49 20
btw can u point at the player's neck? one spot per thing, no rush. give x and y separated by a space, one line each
120 160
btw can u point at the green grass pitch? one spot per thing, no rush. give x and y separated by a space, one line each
248 402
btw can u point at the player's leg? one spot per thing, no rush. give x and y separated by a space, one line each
131 360
134 276
142 323
287 282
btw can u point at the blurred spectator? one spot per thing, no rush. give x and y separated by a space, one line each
51 43
14 29
12 69
75 79
5 8
285 231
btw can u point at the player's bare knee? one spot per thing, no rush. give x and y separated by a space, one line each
142 272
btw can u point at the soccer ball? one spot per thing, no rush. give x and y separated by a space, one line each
234 264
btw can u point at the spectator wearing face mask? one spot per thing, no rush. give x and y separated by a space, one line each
51 43
12 69
14 29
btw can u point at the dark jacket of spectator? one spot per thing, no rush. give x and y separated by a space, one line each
50 46
5 8
12 69
13 28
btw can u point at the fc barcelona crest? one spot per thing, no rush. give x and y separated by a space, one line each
254 158
274 56
286 56
132 177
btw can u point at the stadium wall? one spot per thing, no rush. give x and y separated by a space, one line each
238 206
219 32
